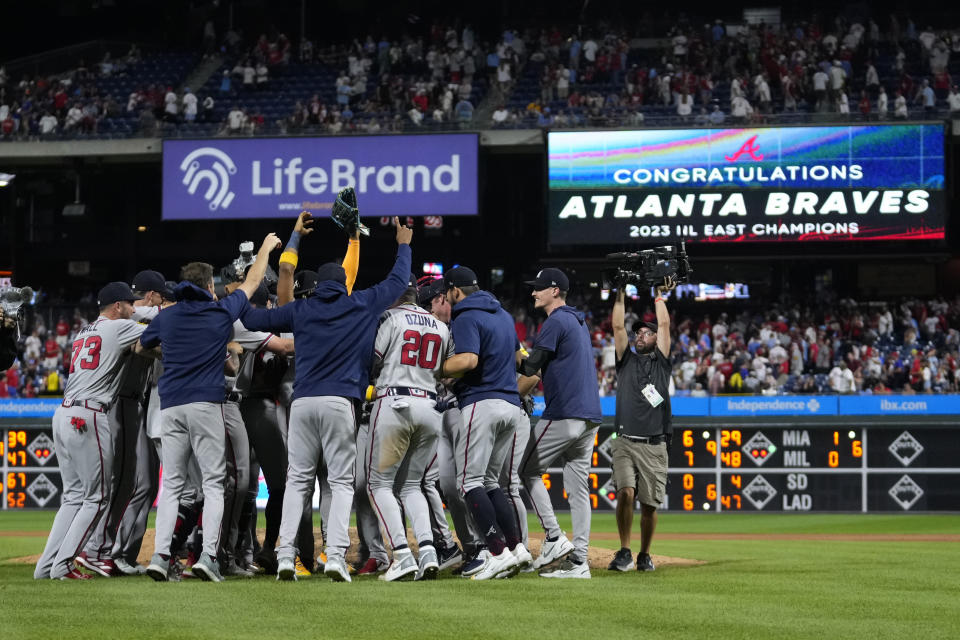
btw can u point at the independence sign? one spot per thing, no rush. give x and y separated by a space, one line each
226 179
801 184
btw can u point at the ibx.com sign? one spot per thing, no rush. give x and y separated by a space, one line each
279 177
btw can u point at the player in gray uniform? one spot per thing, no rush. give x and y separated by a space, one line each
82 432
125 421
194 334
404 429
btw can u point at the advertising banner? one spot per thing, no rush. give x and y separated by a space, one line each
777 184
414 175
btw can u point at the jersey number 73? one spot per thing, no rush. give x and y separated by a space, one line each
91 359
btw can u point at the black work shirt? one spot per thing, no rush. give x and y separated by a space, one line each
635 415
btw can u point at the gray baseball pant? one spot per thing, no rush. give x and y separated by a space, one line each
446 452
368 526
320 427
198 427
125 427
510 474
438 517
573 441
403 435
82 440
146 482
238 477
488 432
269 441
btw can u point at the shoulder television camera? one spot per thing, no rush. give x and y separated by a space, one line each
12 300
648 268
236 271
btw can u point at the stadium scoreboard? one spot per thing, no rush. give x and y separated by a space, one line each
715 468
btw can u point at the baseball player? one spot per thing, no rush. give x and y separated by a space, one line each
334 333
485 345
194 334
568 427
125 421
82 432
404 429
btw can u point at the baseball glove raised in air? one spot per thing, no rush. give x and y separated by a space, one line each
346 215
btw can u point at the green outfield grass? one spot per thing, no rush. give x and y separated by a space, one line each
748 589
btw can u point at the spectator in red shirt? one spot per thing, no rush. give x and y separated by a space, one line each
63 332
13 381
51 353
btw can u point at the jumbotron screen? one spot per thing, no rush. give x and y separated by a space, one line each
776 184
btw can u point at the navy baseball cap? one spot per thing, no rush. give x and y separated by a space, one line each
640 324
430 290
550 278
460 277
151 281
115 292
332 271
304 282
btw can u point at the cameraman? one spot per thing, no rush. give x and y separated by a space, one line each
8 341
643 424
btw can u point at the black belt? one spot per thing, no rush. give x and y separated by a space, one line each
407 391
93 405
645 439
233 396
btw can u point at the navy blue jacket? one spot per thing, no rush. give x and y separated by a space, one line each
193 335
481 326
334 332
570 387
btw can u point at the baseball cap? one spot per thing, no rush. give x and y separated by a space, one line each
430 290
332 271
115 292
550 278
151 281
639 324
460 277
304 282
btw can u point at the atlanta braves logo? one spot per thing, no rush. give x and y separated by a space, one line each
750 147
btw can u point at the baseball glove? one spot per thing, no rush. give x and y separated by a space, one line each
346 215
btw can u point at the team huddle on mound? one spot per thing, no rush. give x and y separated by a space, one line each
400 399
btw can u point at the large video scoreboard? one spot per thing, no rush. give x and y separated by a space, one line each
869 466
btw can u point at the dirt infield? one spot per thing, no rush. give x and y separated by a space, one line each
599 558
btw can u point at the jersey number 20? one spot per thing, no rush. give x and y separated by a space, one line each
92 358
420 350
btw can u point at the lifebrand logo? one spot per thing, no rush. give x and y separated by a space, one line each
217 176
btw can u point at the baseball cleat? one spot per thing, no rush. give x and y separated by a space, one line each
75 574
403 567
336 569
372 566
429 567
206 568
501 566
103 568
234 570
267 558
568 569
286 569
449 557
302 571
128 569
476 564
524 559
554 550
645 562
321 562
623 561
158 567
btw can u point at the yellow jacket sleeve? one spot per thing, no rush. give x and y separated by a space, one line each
351 263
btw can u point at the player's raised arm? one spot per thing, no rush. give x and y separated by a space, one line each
291 256
259 268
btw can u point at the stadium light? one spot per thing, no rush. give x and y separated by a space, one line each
6 178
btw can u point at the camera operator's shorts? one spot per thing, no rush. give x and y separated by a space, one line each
643 467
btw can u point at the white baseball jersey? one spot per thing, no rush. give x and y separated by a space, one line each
100 351
412 344
251 341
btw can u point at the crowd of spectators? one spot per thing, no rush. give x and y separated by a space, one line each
908 347
711 73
